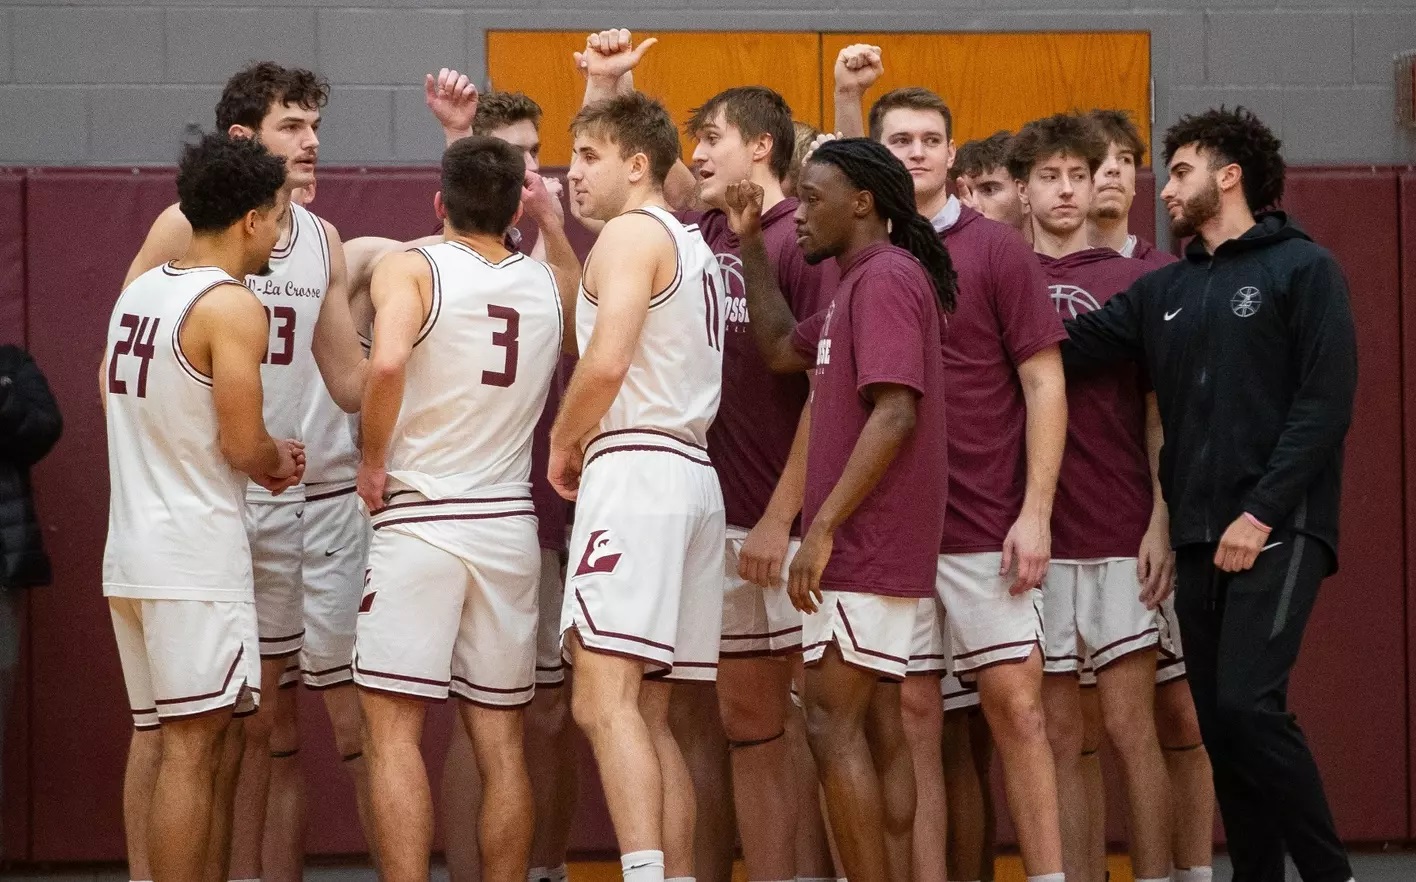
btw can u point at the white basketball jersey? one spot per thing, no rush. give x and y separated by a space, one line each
174 517
294 392
478 376
675 379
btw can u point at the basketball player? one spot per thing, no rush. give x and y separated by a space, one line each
980 175
1105 527
550 748
1008 406
1191 783
311 337
646 549
876 477
182 393
450 599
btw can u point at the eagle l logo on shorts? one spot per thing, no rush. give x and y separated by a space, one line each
1246 301
599 555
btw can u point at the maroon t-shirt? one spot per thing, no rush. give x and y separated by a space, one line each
1103 503
751 437
883 326
1004 317
1151 256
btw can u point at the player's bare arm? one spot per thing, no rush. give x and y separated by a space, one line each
544 208
857 68
766 545
336 347
402 290
772 319
452 98
892 419
167 240
1029 542
225 337
633 258
1155 566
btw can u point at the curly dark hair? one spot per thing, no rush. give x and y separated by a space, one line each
635 123
1117 127
753 111
981 156
909 98
251 93
498 109
870 166
1068 134
1235 136
481 184
221 178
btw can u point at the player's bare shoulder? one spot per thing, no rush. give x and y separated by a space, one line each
637 240
168 239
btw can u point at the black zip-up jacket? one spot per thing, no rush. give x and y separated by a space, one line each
1253 356
29 426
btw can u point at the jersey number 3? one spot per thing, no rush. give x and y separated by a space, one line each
506 339
142 332
282 323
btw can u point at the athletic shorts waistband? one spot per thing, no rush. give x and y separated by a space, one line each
645 440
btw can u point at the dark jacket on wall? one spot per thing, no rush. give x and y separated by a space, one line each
29 426
1253 356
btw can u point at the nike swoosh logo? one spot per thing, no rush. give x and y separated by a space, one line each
333 552
1171 315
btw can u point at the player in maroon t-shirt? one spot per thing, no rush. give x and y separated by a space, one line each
1106 530
876 478
980 177
1008 399
1191 779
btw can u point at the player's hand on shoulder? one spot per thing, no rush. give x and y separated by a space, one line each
858 66
452 97
610 54
744 202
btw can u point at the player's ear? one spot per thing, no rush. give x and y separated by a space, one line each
864 203
762 147
438 208
239 131
1230 176
638 167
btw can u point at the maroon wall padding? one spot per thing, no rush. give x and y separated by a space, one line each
85 227
12 256
1349 687
1142 219
1407 189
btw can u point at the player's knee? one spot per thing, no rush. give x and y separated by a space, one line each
549 714
828 731
1066 734
751 716
1130 730
921 712
194 743
594 714
1016 717
1175 719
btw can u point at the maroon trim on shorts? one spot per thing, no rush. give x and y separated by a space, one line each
1115 643
489 706
330 494
327 671
618 636
401 677
457 517
850 632
492 689
767 635
643 659
396 693
1096 668
670 435
643 447
859 667
153 728
995 648
453 501
230 672
1012 660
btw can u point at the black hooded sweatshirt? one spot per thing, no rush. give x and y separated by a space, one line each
1253 357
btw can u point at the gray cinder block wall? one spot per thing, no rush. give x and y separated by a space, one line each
104 82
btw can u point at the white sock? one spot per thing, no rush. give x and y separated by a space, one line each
643 866
1049 877
1194 874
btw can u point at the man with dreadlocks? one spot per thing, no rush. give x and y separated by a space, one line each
876 476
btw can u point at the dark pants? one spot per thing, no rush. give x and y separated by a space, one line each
1241 636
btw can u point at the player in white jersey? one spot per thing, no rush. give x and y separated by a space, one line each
311 334
467 336
643 601
183 393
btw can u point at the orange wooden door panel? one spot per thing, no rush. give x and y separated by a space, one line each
1000 81
683 70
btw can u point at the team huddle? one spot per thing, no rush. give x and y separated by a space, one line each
869 446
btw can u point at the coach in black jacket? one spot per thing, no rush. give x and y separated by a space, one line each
1249 342
29 426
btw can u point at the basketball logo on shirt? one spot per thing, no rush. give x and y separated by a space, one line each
600 556
1077 301
731 267
1246 301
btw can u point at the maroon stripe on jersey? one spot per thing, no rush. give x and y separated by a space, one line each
230 672
644 447
328 494
432 317
169 269
324 247
590 623
514 257
186 365
664 295
616 432
282 253
456 517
